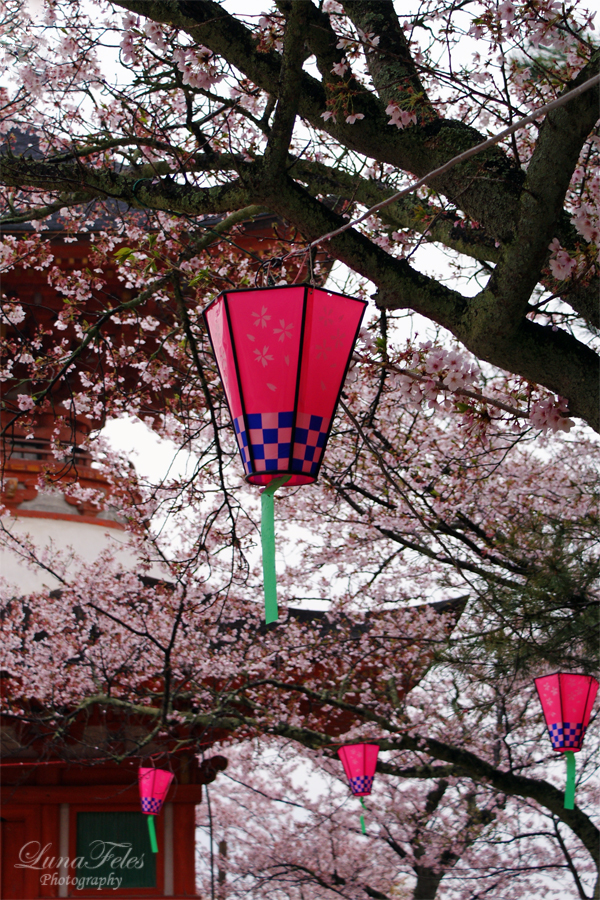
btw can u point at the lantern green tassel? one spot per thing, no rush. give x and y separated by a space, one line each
152 834
570 785
267 537
362 818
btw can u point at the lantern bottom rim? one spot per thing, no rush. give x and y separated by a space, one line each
265 478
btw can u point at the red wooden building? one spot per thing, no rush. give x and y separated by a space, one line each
71 823
74 829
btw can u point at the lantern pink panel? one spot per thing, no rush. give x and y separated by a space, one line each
567 702
360 762
154 785
283 354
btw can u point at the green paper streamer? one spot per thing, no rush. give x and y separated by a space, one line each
267 537
570 785
362 818
152 834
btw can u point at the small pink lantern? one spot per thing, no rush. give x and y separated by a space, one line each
154 786
282 354
360 762
567 702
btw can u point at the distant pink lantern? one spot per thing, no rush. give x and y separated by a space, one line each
567 700
154 786
360 762
283 354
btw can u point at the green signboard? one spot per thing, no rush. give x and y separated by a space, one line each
113 851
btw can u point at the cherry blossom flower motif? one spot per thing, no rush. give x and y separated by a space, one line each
329 115
340 68
326 316
561 264
261 318
263 356
25 401
285 331
354 117
323 350
339 337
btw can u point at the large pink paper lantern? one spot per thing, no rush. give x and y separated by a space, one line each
360 762
154 786
283 354
567 702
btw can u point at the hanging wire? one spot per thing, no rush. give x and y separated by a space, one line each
265 269
462 157
311 266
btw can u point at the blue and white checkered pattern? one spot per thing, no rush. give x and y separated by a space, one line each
309 440
362 784
151 806
270 435
242 439
567 736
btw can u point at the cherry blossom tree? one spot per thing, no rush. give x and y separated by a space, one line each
455 472
446 692
289 827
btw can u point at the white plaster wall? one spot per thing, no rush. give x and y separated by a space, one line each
79 539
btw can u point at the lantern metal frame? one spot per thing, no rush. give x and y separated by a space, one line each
256 476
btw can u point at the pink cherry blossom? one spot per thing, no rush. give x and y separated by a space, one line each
25 402
561 264
340 68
